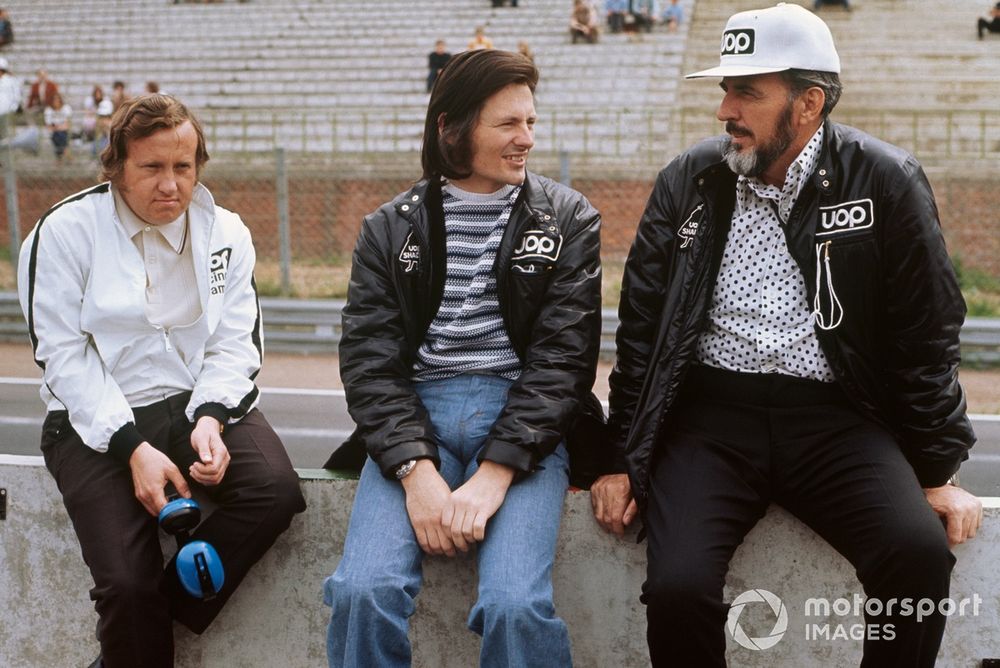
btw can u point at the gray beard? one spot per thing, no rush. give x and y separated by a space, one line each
754 162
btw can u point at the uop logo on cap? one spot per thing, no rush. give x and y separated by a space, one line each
776 39
737 43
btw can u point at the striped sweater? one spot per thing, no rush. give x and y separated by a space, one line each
468 334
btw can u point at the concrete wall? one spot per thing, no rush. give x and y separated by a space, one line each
277 617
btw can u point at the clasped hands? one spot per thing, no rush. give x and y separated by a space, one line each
152 470
447 521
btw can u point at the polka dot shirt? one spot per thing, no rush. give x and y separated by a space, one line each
760 320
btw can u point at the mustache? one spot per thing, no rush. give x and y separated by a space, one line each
736 130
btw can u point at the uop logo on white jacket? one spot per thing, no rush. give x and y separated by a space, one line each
218 266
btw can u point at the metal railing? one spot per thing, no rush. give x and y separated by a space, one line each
313 326
641 135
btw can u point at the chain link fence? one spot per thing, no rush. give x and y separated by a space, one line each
303 182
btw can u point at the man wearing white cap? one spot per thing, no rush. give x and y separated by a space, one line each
789 334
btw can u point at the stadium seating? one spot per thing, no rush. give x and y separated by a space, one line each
348 75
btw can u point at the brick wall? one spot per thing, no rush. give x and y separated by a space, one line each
326 211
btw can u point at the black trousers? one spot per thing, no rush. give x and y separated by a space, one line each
136 598
741 441
992 25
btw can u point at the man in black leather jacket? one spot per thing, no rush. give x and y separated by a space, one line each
789 334
469 348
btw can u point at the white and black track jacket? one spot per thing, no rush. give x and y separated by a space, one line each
82 286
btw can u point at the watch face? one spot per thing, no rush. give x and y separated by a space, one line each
405 468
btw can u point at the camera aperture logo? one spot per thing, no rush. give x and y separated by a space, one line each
761 642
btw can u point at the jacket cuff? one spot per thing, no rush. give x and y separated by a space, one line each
934 473
212 409
124 442
518 458
389 461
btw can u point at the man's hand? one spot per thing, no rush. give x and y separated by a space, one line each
206 439
427 495
962 512
614 507
475 502
151 470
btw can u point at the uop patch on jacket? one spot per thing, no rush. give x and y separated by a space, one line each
536 246
845 217
689 229
409 257
218 266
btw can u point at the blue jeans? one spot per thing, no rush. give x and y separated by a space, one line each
372 591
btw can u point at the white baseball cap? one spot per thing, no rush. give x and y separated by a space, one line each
779 38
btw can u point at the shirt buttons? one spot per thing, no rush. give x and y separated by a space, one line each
148 229
405 207
822 172
415 198
826 183
546 217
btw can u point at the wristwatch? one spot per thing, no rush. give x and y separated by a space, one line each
405 469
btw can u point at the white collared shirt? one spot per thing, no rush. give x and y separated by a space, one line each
171 287
760 320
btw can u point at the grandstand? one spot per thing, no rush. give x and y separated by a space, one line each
339 76
342 76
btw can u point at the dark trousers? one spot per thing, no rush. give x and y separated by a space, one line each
135 596
989 26
741 441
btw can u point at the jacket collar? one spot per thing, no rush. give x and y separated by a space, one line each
718 174
825 177
539 205
408 203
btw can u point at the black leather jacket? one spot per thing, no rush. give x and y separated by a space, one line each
548 278
866 236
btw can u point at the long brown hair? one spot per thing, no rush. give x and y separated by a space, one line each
459 93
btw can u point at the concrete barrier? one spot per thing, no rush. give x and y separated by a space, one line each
277 617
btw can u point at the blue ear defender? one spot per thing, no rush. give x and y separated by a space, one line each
199 567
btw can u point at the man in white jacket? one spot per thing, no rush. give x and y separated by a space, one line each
143 314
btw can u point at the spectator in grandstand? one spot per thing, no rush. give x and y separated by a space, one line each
616 12
152 87
818 4
10 93
500 3
756 362
470 341
6 29
480 40
90 104
991 24
57 120
583 22
525 50
436 60
143 316
118 95
43 91
672 15
644 14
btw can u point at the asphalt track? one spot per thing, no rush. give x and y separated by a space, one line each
314 421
